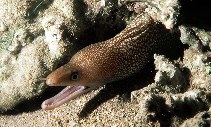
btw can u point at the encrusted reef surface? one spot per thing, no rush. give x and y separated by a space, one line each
38 36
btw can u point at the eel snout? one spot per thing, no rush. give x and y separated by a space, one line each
68 93
71 91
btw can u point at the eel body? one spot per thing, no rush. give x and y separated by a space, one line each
108 61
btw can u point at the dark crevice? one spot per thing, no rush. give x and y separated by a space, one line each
102 29
196 13
36 7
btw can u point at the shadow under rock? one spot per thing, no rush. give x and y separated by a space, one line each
122 88
35 103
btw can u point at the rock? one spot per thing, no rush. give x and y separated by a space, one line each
3 26
198 66
169 74
202 119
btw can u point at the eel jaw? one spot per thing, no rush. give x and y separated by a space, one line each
68 93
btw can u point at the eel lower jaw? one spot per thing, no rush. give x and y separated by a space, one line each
68 93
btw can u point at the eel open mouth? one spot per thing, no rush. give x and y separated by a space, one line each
68 93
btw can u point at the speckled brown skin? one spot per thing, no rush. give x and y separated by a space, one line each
107 61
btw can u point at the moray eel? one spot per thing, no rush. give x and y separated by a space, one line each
108 61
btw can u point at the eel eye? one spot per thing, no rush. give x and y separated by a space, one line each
74 76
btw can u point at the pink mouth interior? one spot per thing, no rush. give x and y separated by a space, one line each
68 93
